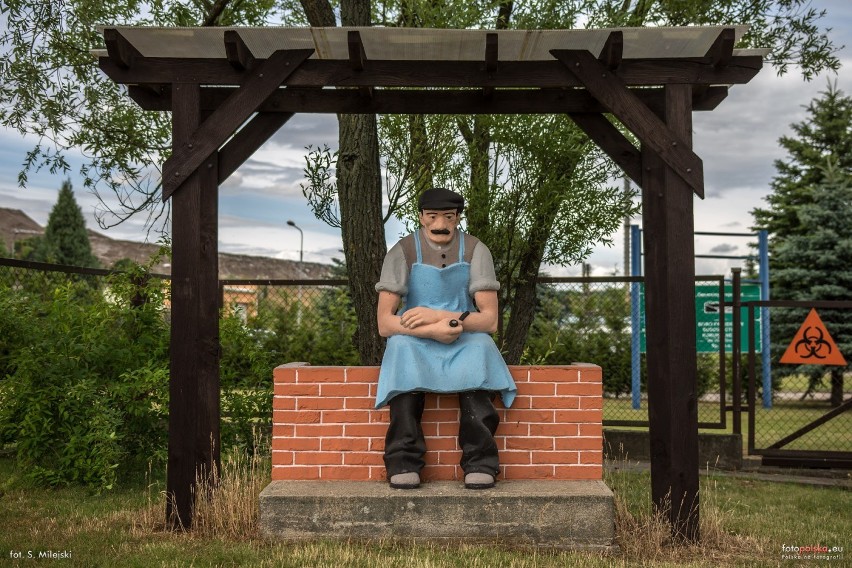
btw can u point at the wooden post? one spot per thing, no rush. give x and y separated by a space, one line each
194 345
670 311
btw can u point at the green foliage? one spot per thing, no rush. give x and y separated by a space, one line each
88 391
296 327
590 326
65 235
810 227
65 240
289 326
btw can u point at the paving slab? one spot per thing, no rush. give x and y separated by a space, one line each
559 514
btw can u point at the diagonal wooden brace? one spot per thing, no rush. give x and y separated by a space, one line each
612 141
261 82
249 138
614 95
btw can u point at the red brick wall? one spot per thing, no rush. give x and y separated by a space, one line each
324 425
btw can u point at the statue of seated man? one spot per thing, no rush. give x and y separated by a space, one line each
440 342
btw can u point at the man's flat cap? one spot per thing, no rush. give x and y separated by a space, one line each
440 198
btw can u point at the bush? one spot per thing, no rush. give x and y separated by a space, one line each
86 394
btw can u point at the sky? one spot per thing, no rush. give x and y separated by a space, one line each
738 143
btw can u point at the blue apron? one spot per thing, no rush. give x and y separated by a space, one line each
471 362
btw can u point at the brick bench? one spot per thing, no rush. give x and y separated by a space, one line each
324 426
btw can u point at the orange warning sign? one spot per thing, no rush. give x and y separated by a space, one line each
813 345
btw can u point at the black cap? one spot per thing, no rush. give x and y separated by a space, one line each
440 199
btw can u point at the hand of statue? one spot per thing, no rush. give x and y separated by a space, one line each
415 317
446 333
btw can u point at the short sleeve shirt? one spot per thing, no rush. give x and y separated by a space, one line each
402 255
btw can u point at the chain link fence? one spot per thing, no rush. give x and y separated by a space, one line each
269 322
808 405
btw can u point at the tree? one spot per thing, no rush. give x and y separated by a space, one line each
65 239
814 264
65 233
804 221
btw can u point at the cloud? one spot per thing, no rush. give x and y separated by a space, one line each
723 249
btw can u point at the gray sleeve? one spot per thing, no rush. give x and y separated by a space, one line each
482 275
394 276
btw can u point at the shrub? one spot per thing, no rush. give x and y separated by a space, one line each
86 394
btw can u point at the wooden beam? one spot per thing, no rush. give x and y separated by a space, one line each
237 52
491 52
668 226
225 120
612 92
403 101
613 50
611 141
491 58
151 97
708 98
121 52
247 140
467 74
194 343
358 57
721 52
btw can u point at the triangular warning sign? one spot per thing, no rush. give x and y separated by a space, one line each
813 345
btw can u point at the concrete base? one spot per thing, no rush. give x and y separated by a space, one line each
560 514
716 451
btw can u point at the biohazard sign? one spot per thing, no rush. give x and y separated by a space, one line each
813 345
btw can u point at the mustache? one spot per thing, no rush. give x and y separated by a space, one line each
440 231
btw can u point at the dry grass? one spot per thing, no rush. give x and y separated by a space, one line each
646 537
226 503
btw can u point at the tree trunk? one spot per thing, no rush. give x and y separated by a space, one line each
421 154
359 192
524 293
837 386
479 200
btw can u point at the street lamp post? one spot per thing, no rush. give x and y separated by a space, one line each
302 241
301 268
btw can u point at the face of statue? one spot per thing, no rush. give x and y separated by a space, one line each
440 225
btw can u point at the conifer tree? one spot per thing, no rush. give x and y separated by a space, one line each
809 220
65 238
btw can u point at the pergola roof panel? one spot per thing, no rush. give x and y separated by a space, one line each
424 44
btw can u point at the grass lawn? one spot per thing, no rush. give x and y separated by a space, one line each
744 523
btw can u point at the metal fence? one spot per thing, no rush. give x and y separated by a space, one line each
577 320
801 413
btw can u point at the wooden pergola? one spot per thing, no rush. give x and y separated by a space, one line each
229 90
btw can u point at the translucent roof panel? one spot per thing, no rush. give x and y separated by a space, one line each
423 43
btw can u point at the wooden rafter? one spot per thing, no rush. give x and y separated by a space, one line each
237 52
121 52
491 58
613 50
358 57
721 52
